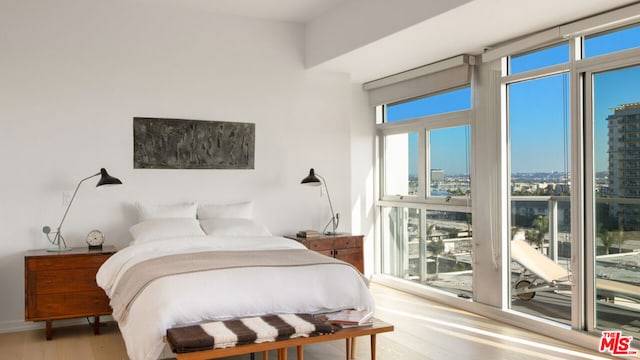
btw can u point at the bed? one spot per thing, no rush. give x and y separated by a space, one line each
246 272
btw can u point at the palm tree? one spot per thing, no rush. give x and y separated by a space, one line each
540 228
430 228
607 238
618 237
436 247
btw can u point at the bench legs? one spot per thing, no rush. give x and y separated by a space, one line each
354 348
373 346
351 347
282 354
350 350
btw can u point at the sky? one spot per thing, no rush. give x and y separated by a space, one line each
539 124
612 89
539 110
449 147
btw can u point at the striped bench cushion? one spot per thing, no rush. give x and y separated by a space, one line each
228 333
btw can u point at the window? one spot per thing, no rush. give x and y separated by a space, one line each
431 105
429 247
616 179
401 174
448 160
425 205
439 167
538 59
541 131
540 192
612 41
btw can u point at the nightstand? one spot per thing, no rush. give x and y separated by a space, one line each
345 247
63 285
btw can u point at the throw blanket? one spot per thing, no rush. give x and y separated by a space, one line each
229 333
139 276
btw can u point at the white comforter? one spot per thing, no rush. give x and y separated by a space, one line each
228 293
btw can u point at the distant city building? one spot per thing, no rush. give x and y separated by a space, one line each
437 175
562 188
523 212
624 160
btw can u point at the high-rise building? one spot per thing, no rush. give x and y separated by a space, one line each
624 161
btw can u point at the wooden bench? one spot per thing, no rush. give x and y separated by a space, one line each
281 345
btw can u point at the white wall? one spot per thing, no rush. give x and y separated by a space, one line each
73 74
363 179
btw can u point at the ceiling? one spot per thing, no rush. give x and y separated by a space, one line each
300 11
465 29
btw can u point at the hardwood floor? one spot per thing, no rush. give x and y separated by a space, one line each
69 343
423 330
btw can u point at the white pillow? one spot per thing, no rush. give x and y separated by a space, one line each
148 212
233 227
242 210
162 229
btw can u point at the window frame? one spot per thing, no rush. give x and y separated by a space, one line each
421 126
576 180
587 68
583 207
422 201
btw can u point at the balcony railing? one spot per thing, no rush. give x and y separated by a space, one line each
559 231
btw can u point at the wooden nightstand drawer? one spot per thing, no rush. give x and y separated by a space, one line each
351 255
318 244
65 263
347 242
345 247
51 306
62 281
89 303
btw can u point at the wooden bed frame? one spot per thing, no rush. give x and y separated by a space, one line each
281 346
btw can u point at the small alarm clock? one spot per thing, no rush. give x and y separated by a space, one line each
95 239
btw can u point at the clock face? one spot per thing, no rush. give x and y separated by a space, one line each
95 238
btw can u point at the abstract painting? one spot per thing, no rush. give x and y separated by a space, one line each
160 143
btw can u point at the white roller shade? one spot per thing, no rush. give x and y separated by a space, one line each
428 79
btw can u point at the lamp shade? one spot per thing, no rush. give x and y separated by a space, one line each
106 179
311 179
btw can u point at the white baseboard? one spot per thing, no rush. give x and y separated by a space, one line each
21 325
18 325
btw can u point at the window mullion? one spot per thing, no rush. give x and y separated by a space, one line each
578 194
424 176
